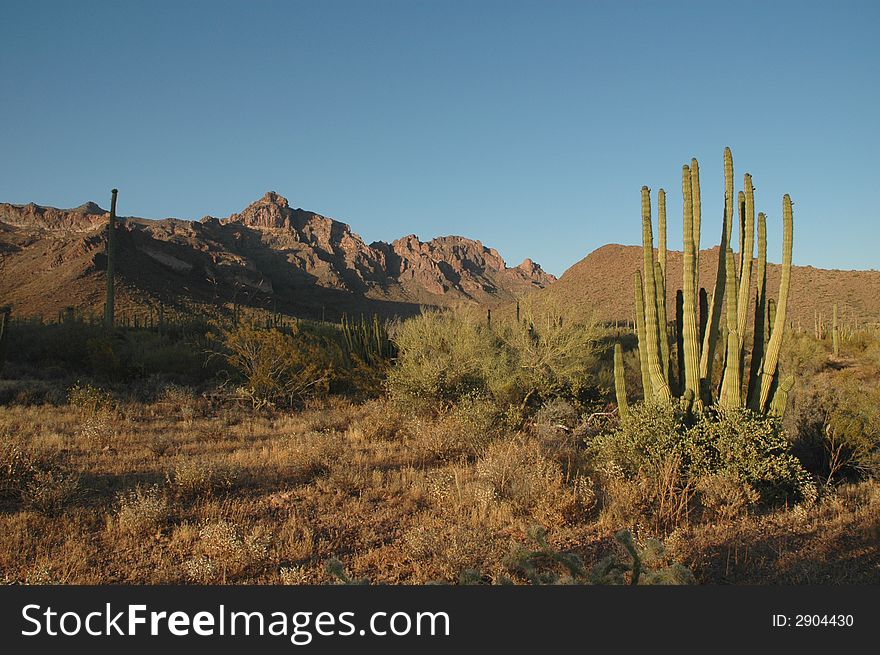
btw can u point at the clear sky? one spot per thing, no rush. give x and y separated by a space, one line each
528 125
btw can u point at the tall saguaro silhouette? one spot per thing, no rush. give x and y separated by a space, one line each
111 263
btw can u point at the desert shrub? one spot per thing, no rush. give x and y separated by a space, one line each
725 495
278 367
38 482
463 428
753 447
224 549
837 428
49 490
91 400
443 357
141 510
17 465
656 458
803 354
190 479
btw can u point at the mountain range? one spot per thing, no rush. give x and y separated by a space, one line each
269 256
274 257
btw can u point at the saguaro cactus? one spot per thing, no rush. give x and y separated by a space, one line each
5 320
111 263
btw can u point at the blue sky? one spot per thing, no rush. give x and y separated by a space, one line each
528 125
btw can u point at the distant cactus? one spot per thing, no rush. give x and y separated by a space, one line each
835 333
620 382
5 321
111 263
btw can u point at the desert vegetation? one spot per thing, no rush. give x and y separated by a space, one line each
716 442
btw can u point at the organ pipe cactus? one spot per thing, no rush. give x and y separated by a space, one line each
698 318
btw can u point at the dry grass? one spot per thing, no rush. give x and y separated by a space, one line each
179 491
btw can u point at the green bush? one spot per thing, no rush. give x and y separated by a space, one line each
750 447
837 426
279 366
443 357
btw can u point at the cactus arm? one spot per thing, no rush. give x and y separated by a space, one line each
689 311
695 200
731 384
707 356
647 389
658 382
780 398
759 337
771 358
661 231
748 252
662 324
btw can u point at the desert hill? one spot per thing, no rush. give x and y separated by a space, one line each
269 255
601 285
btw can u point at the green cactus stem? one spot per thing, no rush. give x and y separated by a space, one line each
111 263
658 382
780 398
731 386
704 313
771 358
695 201
759 339
647 389
746 256
679 337
661 231
707 355
689 311
620 382
662 323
